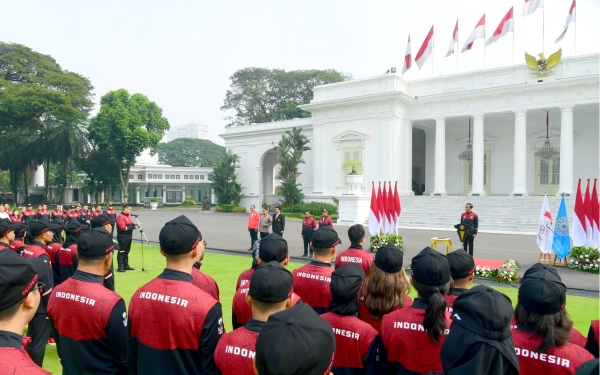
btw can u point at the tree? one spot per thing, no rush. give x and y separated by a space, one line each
190 152
259 95
99 168
224 180
125 126
291 149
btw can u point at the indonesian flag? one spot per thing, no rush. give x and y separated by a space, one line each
407 57
425 50
579 236
596 215
531 6
374 219
546 229
398 208
570 18
477 33
589 217
453 41
506 26
391 210
383 208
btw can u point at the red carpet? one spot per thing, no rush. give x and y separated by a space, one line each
488 263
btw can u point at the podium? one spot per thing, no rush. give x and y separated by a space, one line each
462 230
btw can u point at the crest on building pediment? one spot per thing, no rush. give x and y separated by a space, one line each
351 136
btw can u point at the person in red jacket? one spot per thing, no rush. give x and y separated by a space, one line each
412 337
205 281
308 228
462 270
591 344
355 253
356 342
253 223
67 255
7 234
270 292
471 219
103 221
541 336
19 300
112 214
125 228
325 220
386 288
16 217
17 244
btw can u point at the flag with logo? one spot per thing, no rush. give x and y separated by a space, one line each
545 228
561 243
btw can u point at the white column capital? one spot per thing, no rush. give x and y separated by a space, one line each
439 119
566 108
477 115
520 112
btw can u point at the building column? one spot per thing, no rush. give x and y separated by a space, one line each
520 155
403 148
566 151
440 157
478 149
137 194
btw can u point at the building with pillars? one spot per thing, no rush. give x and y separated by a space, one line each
413 132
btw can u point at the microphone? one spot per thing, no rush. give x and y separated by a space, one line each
134 215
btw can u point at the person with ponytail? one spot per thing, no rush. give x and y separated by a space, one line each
412 337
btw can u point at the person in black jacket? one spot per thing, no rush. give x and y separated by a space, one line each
471 219
278 222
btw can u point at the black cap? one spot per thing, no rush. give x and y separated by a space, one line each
17 279
325 238
346 282
271 283
100 221
95 242
5 227
109 204
40 227
542 291
295 341
29 205
18 227
179 236
461 264
389 258
273 247
431 268
484 311
72 228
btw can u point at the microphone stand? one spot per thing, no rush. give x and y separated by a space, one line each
142 237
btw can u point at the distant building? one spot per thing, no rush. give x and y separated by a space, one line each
191 130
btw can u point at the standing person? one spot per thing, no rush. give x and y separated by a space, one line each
103 221
471 219
253 223
28 215
325 220
112 215
3 214
355 253
85 217
57 214
19 301
174 325
204 281
7 234
270 292
42 213
125 227
17 217
17 244
90 319
73 215
462 270
52 250
97 212
308 228
265 223
66 258
7 209
278 222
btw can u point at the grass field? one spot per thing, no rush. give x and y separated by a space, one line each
225 269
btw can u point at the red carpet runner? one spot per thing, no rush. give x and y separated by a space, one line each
488 263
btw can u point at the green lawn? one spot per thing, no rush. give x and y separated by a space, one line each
225 269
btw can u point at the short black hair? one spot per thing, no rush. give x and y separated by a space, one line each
356 233
470 205
9 312
126 205
94 260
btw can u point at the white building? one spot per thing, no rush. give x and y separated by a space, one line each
191 130
414 131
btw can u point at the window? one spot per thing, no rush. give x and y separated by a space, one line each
556 173
185 176
166 177
178 177
172 177
131 177
160 176
201 177
197 177
544 167
484 171
155 176
140 177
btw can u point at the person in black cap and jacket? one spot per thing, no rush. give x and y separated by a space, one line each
295 341
17 244
7 234
424 324
480 341
103 221
125 227
541 336
311 281
19 299
356 342
90 319
67 254
270 291
355 253
174 325
462 270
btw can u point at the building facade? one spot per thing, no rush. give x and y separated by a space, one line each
191 130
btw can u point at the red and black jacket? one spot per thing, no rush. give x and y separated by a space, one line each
13 359
355 255
73 217
174 327
92 325
450 298
17 246
112 215
125 224
67 261
205 282
52 251
244 278
235 350
43 215
311 283
57 216
28 217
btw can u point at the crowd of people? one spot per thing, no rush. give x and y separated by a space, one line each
353 318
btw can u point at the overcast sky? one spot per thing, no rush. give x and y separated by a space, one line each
181 53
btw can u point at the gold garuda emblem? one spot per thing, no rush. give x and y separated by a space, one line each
542 66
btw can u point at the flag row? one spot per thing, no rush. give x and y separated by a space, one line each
505 26
385 209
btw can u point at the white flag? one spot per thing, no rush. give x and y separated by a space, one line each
545 228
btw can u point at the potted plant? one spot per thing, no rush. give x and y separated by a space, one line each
354 179
354 164
153 203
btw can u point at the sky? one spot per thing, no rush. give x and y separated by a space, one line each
181 53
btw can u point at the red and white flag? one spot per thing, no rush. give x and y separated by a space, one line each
425 50
453 41
391 210
383 208
398 206
546 229
570 18
596 215
531 6
589 217
507 25
407 57
477 33
374 219
579 236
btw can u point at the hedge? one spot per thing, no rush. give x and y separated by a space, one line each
333 217
315 208
230 208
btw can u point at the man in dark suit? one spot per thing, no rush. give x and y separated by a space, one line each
278 222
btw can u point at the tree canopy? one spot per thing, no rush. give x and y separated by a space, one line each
259 95
190 152
224 180
291 148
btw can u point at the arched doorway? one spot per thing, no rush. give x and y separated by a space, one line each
269 168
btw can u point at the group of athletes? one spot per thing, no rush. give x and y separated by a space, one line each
355 318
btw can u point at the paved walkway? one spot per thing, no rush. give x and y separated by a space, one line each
228 232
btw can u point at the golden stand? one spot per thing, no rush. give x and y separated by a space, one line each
558 262
447 241
546 258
